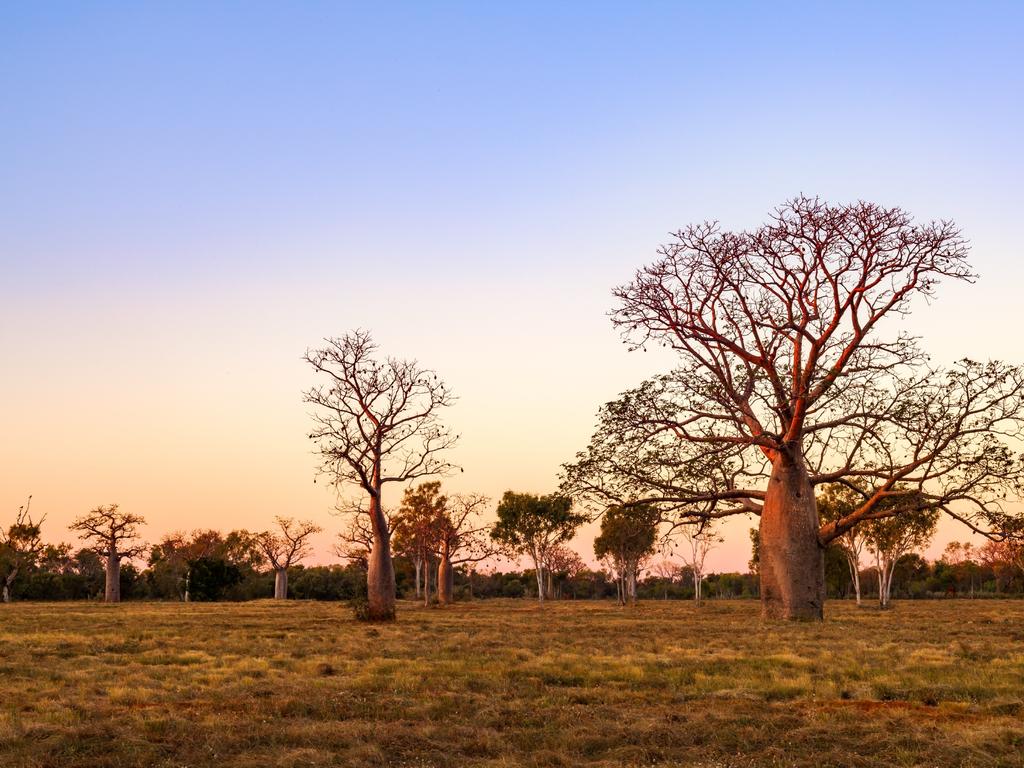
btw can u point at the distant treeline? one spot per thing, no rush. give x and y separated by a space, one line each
229 569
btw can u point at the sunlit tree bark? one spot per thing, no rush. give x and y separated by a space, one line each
786 382
376 422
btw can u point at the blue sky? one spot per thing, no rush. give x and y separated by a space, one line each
193 192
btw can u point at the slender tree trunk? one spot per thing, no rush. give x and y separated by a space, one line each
854 574
445 581
281 584
882 565
538 563
112 594
380 571
418 563
426 581
888 582
792 566
697 583
7 585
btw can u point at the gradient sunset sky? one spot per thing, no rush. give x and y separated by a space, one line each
193 193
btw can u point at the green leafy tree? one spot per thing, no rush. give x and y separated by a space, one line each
532 525
627 538
891 538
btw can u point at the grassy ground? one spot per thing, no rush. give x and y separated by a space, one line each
502 683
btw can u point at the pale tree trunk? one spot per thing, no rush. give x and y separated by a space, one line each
380 571
418 563
551 585
698 582
885 583
631 585
854 574
538 563
792 564
112 594
7 585
281 584
445 581
426 582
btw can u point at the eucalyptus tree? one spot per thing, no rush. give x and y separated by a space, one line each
889 539
532 525
699 539
628 537
376 422
792 373
416 528
113 535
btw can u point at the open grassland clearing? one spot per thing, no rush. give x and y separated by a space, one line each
506 683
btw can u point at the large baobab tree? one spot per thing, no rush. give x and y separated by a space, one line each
286 547
532 525
20 546
114 536
791 375
377 422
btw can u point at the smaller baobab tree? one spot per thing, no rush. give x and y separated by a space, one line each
114 536
20 546
285 549
627 538
532 525
461 539
698 540
377 422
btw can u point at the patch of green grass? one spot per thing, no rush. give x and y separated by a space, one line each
506 683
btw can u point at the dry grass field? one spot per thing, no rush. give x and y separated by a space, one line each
503 683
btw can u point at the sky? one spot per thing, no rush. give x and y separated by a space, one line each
194 193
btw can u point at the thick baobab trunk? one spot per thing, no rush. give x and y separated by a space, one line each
281 584
380 572
445 581
792 563
112 594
